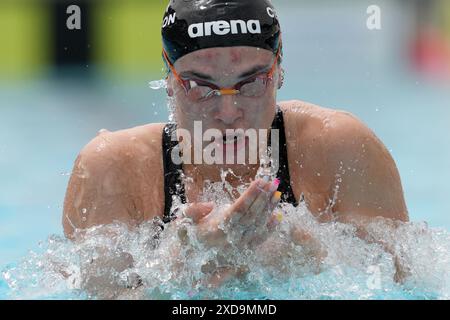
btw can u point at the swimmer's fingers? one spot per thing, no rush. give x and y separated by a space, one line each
198 211
260 229
263 232
275 219
276 214
260 210
243 204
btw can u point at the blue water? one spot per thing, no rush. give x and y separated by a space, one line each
44 122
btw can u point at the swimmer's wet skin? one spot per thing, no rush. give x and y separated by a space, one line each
224 69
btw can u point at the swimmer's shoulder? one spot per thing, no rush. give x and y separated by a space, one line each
322 140
120 175
124 147
315 126
307 151
335 148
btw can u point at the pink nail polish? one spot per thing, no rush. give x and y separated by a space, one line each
275 185
276 182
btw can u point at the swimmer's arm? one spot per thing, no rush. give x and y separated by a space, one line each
370 186
368 180
97 190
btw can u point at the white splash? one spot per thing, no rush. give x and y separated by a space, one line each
333 263
158 84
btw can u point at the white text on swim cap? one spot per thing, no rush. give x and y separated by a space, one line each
168 20
271 12
222 28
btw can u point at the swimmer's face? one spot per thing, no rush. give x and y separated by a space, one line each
224 68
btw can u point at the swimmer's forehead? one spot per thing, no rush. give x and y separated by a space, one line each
213 62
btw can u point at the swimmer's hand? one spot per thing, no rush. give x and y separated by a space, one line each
250 218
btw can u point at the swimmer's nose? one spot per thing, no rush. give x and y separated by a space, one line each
228 111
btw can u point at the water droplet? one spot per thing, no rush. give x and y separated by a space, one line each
158 84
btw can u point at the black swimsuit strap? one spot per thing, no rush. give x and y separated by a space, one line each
173 182
283 170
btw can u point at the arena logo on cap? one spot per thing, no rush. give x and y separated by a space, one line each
222 28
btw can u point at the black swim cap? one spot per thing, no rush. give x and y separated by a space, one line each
191 25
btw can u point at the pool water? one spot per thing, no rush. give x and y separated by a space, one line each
113 262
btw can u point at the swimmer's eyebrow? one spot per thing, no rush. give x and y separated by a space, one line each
255 70
195 74
201 76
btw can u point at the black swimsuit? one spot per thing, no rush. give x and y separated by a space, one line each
173 184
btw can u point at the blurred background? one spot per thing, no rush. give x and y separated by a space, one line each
58 87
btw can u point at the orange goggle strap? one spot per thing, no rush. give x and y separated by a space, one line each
272 70
172 68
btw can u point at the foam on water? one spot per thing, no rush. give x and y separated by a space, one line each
149 263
